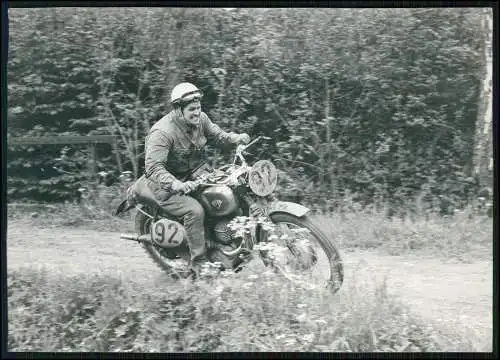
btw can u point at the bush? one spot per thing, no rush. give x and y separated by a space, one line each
56 312
465 235
380 102
95 209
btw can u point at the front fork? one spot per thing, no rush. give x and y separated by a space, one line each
252 209
258 210
263 208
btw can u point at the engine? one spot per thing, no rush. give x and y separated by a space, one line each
223 233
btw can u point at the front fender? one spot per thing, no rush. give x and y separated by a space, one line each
287 207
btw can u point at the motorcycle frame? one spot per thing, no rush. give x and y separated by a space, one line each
272 207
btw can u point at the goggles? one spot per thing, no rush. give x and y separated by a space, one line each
190 96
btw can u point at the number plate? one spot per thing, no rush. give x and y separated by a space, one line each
263 178
167 233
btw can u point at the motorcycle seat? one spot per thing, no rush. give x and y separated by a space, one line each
143 193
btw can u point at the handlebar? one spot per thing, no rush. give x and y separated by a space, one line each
204 181
241 148
258 138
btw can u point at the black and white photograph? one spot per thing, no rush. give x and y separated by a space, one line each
249 179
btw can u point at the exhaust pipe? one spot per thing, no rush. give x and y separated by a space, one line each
145 238
236 252
232 253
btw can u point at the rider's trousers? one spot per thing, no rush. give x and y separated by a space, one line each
192 214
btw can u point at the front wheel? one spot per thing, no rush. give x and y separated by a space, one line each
308 250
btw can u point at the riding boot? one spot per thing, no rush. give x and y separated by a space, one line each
197 265
202 267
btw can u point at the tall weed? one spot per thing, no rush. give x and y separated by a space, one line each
237 312
465 235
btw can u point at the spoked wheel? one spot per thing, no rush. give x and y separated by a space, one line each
175 265
305 254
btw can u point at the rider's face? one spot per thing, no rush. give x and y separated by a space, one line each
192 112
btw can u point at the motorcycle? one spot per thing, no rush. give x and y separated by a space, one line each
244 220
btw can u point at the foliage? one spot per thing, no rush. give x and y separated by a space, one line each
377 104
464 236
51 91
236 312
94 208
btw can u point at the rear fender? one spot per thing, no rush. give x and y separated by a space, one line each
123 207
288 208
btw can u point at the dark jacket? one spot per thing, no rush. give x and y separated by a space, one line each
174 148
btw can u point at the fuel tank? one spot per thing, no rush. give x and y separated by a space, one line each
218 200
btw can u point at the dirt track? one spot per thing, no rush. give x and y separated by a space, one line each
448 293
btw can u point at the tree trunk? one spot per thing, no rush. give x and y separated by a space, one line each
238 84
329 146
220 108
483 149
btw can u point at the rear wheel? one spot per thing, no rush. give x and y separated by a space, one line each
175 265
309 256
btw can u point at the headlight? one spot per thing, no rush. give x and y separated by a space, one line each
263 178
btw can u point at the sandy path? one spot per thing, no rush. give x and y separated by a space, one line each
448 293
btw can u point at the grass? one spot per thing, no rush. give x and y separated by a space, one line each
57 312
70 214
465 236
94 210
460 236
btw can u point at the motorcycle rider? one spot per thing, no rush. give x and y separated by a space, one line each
173 148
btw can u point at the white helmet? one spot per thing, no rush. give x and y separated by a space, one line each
184 92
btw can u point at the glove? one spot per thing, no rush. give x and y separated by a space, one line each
184 187
243 139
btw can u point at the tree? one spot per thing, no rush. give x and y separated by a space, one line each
373 103
483 161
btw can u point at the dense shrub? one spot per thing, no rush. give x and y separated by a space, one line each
369 103
234 313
